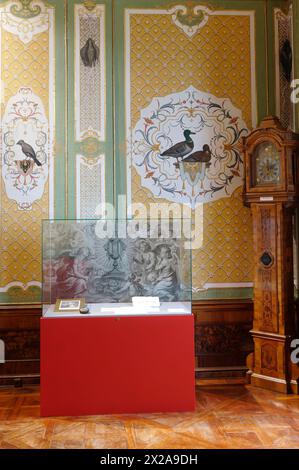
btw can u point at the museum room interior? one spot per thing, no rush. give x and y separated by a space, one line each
119 119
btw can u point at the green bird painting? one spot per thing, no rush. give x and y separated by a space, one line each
181 149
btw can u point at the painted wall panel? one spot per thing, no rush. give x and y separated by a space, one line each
187 66
154 69
90 58
90 105
28 72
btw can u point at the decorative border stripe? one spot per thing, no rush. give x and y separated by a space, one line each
97 195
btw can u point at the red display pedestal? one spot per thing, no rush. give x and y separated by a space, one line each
96 365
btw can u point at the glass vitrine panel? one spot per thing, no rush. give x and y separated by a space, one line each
107 264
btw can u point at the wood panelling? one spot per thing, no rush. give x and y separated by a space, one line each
222 340
19 329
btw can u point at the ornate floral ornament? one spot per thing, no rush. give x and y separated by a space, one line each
190 19
90 145
25 18
24 119
212 169
89 4
25 10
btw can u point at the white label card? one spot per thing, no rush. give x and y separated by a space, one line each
146 301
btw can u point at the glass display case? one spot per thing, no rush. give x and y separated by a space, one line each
116 267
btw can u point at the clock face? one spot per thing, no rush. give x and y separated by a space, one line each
266 160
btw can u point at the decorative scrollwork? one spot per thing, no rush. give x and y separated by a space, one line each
198 177
25 10
190 18
89 4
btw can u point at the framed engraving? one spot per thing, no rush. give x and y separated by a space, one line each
69 305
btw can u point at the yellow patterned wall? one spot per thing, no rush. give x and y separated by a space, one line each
20 249
215 60
226 255
164 60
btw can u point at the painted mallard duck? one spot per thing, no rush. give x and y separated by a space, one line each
181 149
199 162
201 156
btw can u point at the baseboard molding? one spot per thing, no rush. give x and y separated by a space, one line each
232 372
19 380
270 383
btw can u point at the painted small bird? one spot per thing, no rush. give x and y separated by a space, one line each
29 152
201 156
181 148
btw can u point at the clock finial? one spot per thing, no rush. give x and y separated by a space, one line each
271 122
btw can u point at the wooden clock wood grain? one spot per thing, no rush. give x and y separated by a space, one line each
273 207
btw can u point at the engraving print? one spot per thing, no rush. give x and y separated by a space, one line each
78 263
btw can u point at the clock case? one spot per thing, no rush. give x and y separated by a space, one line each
287 144
273 207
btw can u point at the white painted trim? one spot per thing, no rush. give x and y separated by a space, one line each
253 71
277 72
77 100
52 110
227 285
78 185
127 104
20 284
266 377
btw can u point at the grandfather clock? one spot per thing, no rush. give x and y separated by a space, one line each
271 189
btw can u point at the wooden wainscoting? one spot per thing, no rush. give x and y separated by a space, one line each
222 340
19 329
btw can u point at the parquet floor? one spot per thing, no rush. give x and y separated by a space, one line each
227 416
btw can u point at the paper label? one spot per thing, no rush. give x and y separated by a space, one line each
146 301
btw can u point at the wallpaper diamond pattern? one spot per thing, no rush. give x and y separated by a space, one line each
20 247
216 60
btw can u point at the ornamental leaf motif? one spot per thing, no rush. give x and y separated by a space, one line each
215 123
25 10
190 19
